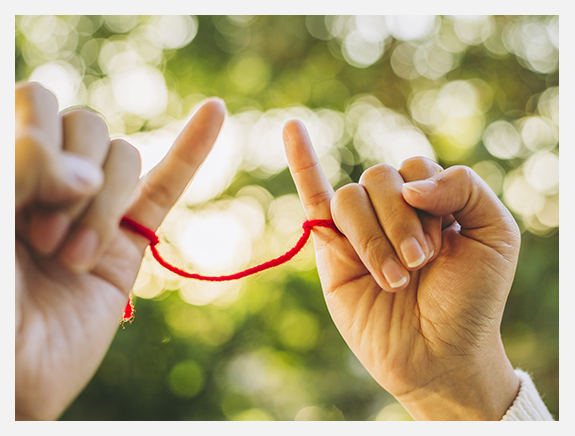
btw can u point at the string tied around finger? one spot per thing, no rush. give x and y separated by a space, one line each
151 236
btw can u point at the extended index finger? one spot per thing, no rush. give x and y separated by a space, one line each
166 182
312 185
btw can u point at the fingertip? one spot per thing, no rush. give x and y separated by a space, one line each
217 104
417 194
420 186
294 123
68 179
210 112
297 142
413 253
294 128
314 188
394 287
203 127
129 155
395 276
86 177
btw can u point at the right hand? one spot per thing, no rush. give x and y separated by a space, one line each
75 266
423 317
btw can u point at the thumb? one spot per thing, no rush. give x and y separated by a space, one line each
461 192
51 178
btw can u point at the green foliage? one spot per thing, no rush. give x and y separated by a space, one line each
270 351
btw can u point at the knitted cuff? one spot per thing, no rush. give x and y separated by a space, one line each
528 406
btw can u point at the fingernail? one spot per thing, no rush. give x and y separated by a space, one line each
83 170
79 252
421 186
394 274
412 252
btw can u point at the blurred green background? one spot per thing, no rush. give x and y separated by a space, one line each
482 91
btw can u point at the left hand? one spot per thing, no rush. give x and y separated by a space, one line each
72 285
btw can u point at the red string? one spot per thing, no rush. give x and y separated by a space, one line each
129 310
154 240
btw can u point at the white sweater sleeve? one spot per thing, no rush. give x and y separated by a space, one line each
528 406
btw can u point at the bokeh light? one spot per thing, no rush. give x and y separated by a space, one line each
320 413
186 379
411 27
537 133
383 135
492 173
393 412
502 140
535 42
127 89
481 91
542 172
173 31
63 80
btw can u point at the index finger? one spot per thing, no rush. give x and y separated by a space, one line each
165 183
312 185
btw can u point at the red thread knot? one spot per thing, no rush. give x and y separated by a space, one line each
310 224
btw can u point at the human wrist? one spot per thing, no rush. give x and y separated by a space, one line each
482 391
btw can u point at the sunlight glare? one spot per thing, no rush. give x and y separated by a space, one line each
410 27
62 79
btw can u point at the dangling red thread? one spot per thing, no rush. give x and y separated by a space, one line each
129 311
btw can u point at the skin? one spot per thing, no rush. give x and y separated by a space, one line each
431 339
74 266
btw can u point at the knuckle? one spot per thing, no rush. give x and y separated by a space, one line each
418 167
398 219
415 161
317 199
342 197
85 116
419 162
375 247
376 172
462 173
127 154
302 169
158 193
347 191
28 89
32 142
34 93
